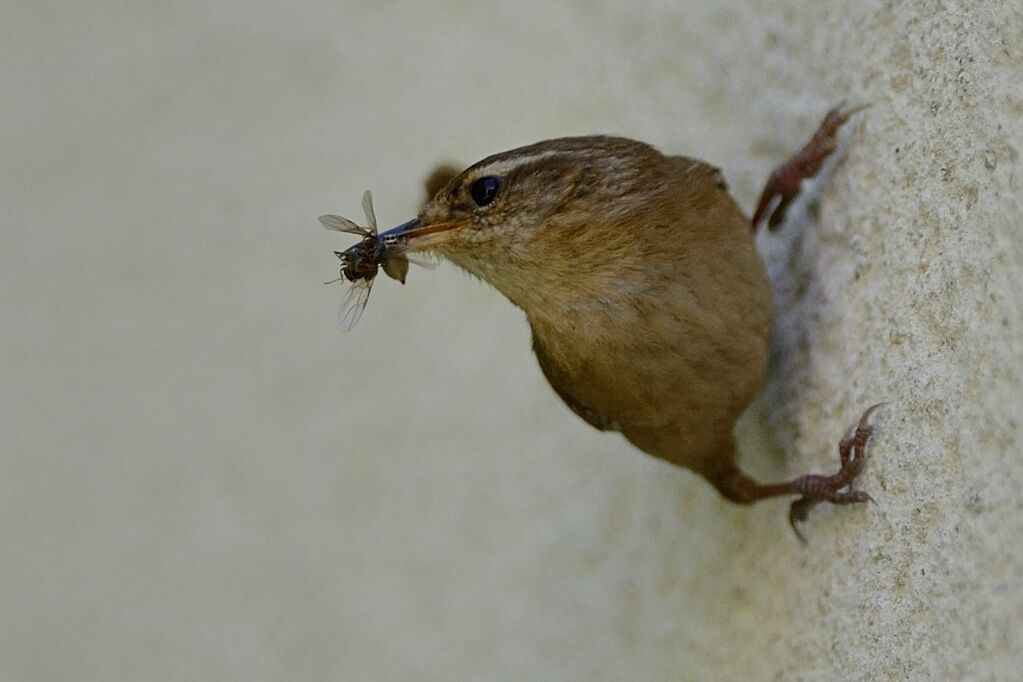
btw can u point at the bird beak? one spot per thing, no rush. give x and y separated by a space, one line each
419 237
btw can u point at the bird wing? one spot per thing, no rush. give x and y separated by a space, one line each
589 415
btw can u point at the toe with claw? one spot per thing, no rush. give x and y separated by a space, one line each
836 488
783 185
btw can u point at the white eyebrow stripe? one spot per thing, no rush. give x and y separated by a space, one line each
503 166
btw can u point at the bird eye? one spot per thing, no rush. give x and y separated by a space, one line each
484 190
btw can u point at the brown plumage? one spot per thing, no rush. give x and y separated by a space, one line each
649 305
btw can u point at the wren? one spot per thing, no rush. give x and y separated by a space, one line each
649 305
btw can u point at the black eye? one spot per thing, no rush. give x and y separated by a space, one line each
484 190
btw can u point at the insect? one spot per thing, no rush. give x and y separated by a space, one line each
360 263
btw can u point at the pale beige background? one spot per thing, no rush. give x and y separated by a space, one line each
200 478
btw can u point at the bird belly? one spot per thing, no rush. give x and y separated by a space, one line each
673 380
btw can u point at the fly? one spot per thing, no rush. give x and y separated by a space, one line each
360 263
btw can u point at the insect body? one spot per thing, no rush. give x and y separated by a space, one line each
360 263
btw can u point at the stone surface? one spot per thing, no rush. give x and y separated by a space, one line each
202 479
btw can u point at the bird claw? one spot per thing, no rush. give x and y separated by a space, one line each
836 488
783 185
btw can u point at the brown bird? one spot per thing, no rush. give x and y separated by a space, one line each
649 305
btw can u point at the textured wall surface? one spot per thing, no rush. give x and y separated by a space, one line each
201 479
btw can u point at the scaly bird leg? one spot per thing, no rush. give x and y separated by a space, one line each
783 185
812 488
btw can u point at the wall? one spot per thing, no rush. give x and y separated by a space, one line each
203 480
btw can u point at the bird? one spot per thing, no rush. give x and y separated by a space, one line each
650 309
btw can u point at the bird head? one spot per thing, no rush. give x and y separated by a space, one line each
544 223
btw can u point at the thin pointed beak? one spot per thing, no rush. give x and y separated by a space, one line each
418 237
400 232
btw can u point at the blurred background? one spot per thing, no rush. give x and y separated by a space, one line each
201 478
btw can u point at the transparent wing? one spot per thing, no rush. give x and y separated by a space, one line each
340 224
367 207
353 303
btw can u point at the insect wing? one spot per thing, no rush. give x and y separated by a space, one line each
340 224
353 303
367 208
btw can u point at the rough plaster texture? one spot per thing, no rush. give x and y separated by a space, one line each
201 479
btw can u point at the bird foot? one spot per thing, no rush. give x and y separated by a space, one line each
837 488
783 185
